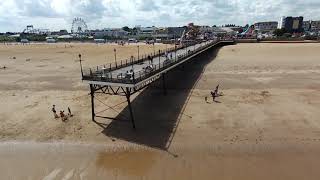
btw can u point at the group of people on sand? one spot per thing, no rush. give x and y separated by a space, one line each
214 94
62 114
121 43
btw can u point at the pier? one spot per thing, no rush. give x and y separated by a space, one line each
131 76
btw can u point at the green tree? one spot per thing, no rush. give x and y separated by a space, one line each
4 38
134 31
126 28
18 39
279 32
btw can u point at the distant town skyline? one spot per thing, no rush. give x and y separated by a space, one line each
58 14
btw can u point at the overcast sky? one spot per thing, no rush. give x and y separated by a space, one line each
58 14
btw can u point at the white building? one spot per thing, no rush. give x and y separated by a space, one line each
281 23
311 26
222 31
315 26
110 32
147 30
266 26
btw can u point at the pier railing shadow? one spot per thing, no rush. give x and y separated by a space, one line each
157 116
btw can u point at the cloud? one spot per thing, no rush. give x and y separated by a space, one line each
35 8
148 5
87 8
58 14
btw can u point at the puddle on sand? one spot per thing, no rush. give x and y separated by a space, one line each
129 162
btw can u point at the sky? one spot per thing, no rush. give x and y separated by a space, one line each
15 15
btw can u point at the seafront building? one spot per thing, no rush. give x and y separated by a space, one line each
175 32
311 26
265 27
109 32
291 24
146 30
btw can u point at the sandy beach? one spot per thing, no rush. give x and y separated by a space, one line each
265 126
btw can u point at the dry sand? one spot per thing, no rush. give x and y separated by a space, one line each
266 126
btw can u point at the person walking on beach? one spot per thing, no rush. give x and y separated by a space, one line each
63 116
213 96
54 112
69 110
216 91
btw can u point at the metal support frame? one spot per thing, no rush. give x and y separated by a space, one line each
121 91
92 90
128 94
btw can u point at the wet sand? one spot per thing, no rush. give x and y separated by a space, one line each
272 160
266 126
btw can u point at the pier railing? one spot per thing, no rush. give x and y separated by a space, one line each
105 73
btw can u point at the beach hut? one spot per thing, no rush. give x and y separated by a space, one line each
51 41
99 41
24 41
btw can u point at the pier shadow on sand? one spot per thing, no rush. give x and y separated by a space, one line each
158 116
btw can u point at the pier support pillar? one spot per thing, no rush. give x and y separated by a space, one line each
164 84
130 108
92 102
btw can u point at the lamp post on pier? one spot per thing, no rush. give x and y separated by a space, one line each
138 53
115 56
175 52
159 58
80 60
186 49
132 61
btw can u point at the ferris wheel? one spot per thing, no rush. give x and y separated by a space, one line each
79 26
